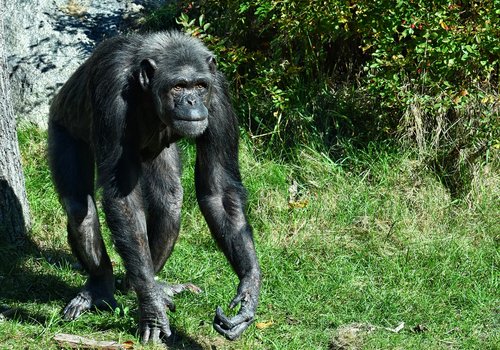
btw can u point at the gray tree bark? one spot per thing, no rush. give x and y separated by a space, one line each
14 211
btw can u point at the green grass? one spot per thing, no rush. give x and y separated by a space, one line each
379 241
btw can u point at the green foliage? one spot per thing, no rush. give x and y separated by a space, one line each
437 65
316 72
276 63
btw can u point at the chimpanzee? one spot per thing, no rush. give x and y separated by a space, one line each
122 112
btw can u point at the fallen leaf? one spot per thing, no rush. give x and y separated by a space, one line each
398 328
264 325
298 204
129 344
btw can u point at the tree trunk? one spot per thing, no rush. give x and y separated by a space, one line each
14 211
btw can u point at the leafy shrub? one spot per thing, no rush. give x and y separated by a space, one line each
437 65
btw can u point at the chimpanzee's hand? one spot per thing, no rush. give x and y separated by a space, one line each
154 323
232 328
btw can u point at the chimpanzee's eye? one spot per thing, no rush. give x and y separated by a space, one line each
177 88
201 86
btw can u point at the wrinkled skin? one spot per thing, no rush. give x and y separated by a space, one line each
121 114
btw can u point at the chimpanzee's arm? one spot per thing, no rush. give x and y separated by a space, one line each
221 197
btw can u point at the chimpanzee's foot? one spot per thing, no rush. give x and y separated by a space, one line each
94 295
173 289
169 290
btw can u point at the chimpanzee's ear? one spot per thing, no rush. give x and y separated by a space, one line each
148 67
212 64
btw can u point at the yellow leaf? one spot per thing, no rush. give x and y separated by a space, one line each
443 25
129 344
264 325
298 204
366 48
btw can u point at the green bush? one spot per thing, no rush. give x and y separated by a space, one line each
316 72
436 65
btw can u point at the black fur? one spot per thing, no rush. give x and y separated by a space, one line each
122 111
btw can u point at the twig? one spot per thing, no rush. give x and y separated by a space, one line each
76 342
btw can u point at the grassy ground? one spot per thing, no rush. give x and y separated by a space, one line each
348 250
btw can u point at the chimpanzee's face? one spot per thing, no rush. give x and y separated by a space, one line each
185 101
181 93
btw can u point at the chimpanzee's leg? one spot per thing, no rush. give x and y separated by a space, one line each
72 167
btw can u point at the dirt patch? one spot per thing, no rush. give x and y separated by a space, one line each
350 336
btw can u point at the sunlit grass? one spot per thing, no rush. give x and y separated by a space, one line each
358 247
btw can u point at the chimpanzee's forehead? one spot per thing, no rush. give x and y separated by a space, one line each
186 73
189 74
189 71
198 63
184 63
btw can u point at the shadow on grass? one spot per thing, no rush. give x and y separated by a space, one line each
25 316
179 340
18 281
23 280
22 283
